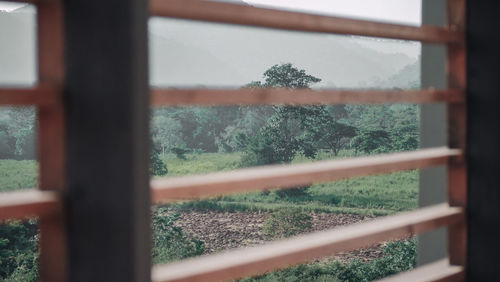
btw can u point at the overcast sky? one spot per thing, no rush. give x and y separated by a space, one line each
403 11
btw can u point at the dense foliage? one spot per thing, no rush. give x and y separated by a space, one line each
156 165
398 256
170 243
17 133
277 134
245 136
19 251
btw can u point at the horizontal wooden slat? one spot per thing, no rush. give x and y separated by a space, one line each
27 203
287 176
257 260
269 96
270 18
37 96
440 271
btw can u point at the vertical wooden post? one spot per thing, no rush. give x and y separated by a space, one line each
51 139
457 172
107 105
483 150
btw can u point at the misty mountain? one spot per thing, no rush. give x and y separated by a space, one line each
408 77
244 53
188 53
17 48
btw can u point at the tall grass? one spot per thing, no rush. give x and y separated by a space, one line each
15 175
201 163
372 195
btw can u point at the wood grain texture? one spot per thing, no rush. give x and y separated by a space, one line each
288 176
251 261
42 95
262 96
260 17
440 271
51 139
28 203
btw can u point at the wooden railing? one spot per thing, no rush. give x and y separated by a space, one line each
251 261
47 96
262 96
288 176
236 264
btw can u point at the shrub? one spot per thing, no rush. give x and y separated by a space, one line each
287 222
157 166
293 192
170 243
18 251
399 257
180 152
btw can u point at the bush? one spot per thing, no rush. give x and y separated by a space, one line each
372 141
180 152
157 166
399 257
293 192
287 222
18 251
170 243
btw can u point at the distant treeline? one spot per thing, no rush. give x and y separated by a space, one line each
275 134
267 134
17 133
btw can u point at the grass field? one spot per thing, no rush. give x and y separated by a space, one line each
15 175
373 195
201 163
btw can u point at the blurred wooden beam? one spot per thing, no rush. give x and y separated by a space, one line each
42 95
220 12
288 176
107 106
28 203
51 135
268 96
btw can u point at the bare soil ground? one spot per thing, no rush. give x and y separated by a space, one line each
223 230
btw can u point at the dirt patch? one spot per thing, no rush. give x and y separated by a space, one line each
223 230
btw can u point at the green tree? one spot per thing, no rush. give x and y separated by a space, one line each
328 128
156 165
17 133
336 135
372 141
286 133
287 76
165 132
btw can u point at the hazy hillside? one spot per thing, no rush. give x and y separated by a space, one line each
17 47
244 53
408 77
185 53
